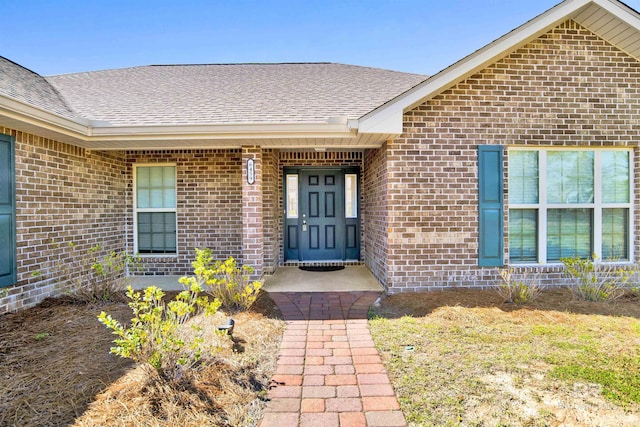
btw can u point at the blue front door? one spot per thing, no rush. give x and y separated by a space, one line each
322 220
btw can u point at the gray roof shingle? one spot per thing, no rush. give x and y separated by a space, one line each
230 93
24 85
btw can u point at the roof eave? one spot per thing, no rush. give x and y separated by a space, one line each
35 117
222 131
388 117
98 135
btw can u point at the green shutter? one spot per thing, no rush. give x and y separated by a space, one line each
7 212
491 218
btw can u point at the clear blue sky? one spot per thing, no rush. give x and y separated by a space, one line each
421 36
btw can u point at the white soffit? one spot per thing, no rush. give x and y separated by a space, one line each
334 133
610 19
614 22
99 136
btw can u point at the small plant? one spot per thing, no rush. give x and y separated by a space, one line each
519 288
109 275
42 335
157 336
593 281
224 280
93 277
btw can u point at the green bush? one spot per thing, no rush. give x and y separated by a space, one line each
109 274
92 277
157 336
224 280
519 288
592 281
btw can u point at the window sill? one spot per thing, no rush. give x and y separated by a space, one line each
146 256
559 264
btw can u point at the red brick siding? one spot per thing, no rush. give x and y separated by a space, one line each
567 88
63 194
271 213
252 215
209 205
375 194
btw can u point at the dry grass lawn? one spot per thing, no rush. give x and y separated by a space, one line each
56 369
463 357
459 357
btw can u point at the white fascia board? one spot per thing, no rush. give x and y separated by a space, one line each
84 132
383 119
389 122
35 116
226 131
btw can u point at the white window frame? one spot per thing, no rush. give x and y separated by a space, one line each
137 210
354 199
289 212
596 206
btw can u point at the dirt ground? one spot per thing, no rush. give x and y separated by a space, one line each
56 369
556 299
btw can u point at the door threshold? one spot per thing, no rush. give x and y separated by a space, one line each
346 263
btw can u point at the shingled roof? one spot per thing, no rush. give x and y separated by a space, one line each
230 93
24 85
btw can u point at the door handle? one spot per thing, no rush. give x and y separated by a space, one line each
304 225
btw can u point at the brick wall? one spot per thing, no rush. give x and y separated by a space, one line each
252 215
68 194
63 194
209 205
376 195
272 214
567 88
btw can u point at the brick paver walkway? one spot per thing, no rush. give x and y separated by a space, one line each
329 372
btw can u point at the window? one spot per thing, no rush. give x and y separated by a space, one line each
351 195
292 196
565 203
155 209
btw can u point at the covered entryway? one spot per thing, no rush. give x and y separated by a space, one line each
322 214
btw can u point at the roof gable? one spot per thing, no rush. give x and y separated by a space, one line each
609 19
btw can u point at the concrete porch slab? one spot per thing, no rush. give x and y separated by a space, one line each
351 278
166 283
288 279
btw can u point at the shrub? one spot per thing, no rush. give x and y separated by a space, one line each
224 280
157 335
109 275
519 288
92 277
593 281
